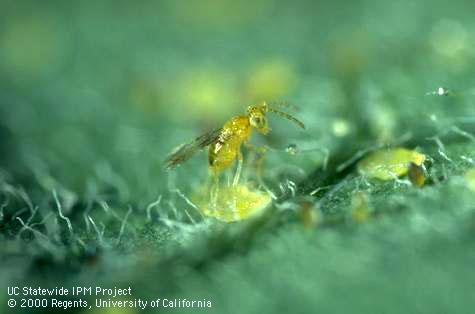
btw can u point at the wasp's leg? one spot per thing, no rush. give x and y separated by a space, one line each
261 152
214 191
238 169
260 178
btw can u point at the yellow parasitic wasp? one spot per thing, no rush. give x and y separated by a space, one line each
225 142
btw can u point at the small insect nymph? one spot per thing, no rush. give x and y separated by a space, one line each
225 143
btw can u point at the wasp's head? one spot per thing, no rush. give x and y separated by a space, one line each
257 117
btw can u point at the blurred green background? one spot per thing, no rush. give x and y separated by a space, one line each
94 95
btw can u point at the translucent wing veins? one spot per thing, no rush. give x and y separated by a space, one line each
184 152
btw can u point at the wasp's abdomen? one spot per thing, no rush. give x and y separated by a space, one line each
221 156
223 152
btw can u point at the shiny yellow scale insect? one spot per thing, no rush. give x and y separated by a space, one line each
225 143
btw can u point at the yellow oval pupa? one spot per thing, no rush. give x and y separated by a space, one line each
388 164
233 203
469 177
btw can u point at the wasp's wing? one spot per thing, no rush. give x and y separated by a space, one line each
184 152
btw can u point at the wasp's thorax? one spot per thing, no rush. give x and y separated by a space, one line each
257 117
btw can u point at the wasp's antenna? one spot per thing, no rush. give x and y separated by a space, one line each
283 104
288 117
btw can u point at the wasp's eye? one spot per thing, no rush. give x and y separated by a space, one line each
257 121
